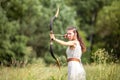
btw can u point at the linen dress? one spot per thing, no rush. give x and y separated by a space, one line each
75 68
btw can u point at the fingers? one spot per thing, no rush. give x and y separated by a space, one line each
65 35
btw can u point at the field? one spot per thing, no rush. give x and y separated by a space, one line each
38 71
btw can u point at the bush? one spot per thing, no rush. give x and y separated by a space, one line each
101 56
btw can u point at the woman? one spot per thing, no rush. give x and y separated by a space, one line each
74 53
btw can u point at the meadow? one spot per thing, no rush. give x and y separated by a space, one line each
39 71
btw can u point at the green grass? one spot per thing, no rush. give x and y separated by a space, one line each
38 71
103 72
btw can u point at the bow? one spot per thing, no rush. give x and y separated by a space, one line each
51 41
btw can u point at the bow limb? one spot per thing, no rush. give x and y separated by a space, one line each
52 19
51 41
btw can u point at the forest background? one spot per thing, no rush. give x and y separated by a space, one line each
24 36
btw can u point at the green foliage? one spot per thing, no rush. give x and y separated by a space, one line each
13 45
87 11
101 57
100 20
25 23
107 33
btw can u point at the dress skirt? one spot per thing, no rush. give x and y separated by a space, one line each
76 71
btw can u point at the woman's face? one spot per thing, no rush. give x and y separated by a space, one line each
70 35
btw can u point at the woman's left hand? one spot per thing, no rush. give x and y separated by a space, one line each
52 36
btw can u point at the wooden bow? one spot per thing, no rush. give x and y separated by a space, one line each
51 41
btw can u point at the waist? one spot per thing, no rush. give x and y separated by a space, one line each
73 59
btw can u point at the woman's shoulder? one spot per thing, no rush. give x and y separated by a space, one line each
76 42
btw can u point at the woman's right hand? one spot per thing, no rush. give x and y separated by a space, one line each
65 35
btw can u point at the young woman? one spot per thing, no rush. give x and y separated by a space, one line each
74 52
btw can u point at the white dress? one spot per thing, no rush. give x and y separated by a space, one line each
75 69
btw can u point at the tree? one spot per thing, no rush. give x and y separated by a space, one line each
108 29
26 22
12 45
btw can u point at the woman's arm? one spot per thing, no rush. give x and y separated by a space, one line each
69 43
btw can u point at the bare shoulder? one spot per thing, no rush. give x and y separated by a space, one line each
73 43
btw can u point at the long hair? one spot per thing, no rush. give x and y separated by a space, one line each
83 47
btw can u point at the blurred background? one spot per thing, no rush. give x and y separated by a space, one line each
24 27
24 30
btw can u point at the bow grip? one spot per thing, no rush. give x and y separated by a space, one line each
51 32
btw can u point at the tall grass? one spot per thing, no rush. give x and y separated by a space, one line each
35 71
39 71
103 72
